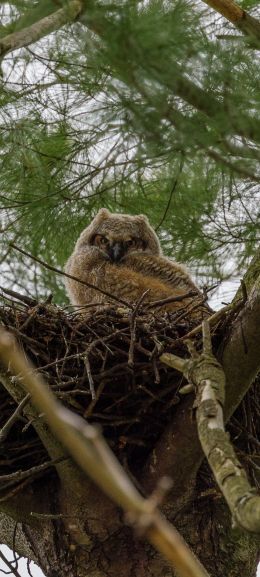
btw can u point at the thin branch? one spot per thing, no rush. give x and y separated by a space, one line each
93 455
234 166
89 375
175 182
13 570
61 272
25 299
162 302
249 25
215 318
206 373
133 328
41 28
14 417
19 475
246 126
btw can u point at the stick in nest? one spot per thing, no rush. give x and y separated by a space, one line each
133 328
8 425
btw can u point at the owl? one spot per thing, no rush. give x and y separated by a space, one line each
121 255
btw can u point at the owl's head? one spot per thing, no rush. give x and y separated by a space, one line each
117 235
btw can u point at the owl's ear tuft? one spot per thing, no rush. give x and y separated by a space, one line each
103 214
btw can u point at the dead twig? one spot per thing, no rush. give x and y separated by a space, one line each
92 454
13 570
8 425
61 272
213 319
133 328
179 298
19 475
207 375
27 300
90 379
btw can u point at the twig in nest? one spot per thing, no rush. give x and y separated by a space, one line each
172 299
133 328
213 319
89 409
51 515
89 450
90 378
190 308
156 371
25 337
16 490
19 475
27 300
8 425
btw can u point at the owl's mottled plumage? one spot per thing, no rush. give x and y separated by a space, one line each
121 254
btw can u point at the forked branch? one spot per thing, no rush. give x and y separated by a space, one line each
208 377
91 453
40 28
249 25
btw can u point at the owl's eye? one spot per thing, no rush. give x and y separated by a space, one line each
131 242
100 240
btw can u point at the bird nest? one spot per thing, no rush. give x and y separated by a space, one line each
105 368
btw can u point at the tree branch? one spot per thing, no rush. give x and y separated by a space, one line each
13 570
71 502
187 90
41 28
209 379
63 273
239 354
94 457
240 18
4 431
178 452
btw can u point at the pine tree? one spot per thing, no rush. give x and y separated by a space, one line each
141 107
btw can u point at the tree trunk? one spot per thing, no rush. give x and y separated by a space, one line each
114 550
62 521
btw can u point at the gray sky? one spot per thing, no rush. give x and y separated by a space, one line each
35 571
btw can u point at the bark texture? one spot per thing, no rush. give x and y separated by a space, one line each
49 516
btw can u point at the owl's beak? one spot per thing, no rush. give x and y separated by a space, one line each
116 251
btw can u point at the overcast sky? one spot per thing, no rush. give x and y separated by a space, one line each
35 571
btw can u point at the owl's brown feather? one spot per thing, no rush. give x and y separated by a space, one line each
139 267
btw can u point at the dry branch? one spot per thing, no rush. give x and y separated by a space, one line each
239 355
62 273
249 25
40 28
207 375
132 407
91 453
8 425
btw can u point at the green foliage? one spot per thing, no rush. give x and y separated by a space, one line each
248 4
139 107
29 12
